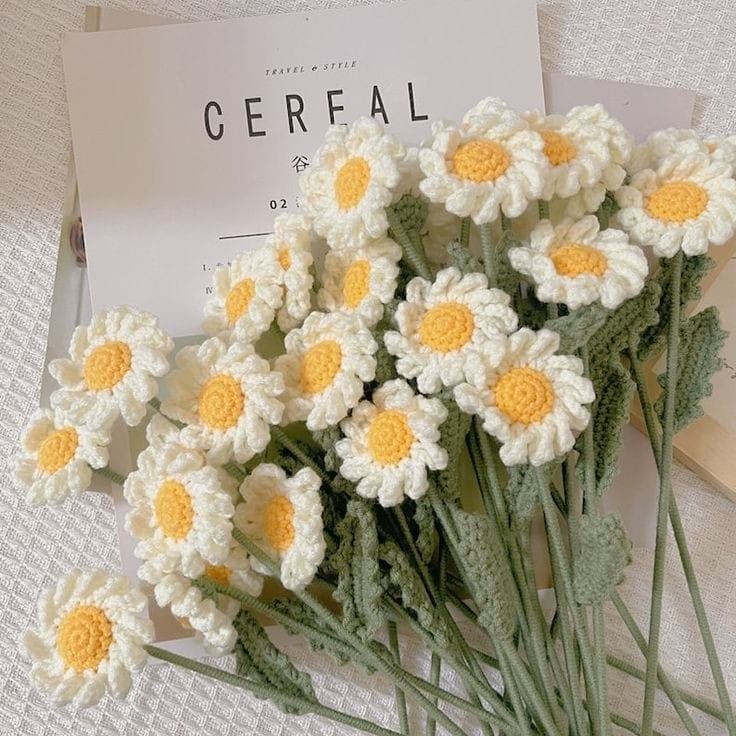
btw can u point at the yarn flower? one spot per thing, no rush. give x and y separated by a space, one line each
350 181
228 398
390 442
530 399
92 628
180 513
283 516
443 322
361 281
574 263
291 245
112 367
688 203
245 296
327 361
492 162
57 456
664 143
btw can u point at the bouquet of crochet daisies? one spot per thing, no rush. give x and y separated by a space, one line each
445 343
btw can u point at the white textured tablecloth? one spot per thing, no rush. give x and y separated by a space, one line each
689 43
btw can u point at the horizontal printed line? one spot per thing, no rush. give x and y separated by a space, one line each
245 235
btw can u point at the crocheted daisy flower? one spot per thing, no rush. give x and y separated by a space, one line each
245 296
327 361
180 513
291 245
92 628
228 398
530 399
57 456
390 442
586 150
574 263
284 517
112 367
361 281
444 322
688 203
663 143
349 184
491 162
211 617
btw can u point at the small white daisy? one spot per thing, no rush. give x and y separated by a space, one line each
688 203
245 296
283 516
180 513
228 398
57 457
112 367
443 322
361 281
574 263
587 150
327 361
390 442
350 183
530 399
492 162
92 629
291 245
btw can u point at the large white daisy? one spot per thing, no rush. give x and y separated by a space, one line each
664 143
574 263
327 361
688 203
228 397
283 516
245 296
350 181
491 162
112 367
92 628
390 442
442 323
361 281
530 399
57 456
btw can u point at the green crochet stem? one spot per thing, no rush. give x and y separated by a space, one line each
393 643
110 474
682 546
289 444
155 404
486 245
543 206
435 667
414 256
665 492
465 232
269 692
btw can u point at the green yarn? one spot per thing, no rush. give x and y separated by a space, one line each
460 257
452 437
521 494
576 328
426 535
326 439
411 212
606 210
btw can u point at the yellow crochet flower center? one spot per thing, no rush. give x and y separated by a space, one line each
558 148
278 523
238 300
106 365
320 365
356 284
576 259
446 327
218 573
390 438
524 395
351 182
57 450
174 510
677 201
284 257
84 637
480 161
221 402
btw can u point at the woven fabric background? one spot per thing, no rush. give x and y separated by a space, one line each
688 43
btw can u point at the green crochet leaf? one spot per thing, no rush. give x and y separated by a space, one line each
359 579
521 493
385 362
653 339
607 209
486 572
701 339
532 313
605 551
453 432
462 258
507 277
577 328
426 538
412 212
326 439
257 658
